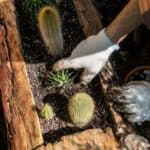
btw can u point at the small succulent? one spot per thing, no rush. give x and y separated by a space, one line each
47 112
51 30
61 78
81 109
34 5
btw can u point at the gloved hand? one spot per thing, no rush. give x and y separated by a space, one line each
91 54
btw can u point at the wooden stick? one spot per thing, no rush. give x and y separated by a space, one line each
88 17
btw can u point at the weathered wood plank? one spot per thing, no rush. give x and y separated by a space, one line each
88 16
18 104
5 78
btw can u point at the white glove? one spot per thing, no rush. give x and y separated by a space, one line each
91 54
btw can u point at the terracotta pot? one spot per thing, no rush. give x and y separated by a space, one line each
134 71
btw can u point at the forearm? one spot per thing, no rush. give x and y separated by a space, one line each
127 20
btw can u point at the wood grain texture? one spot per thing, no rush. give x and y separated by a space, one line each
21 119
88 17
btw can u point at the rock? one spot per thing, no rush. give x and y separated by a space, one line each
134 142
133 101
92 139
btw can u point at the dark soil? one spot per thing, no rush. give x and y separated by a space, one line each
3 132
39 63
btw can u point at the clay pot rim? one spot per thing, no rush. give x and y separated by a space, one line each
133 71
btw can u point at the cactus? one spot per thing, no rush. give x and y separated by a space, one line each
81 109
47 112
61 78
50 27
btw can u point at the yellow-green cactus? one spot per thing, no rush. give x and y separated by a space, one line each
81 109
47 112
50 27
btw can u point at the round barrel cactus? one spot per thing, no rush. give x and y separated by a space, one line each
47 112
81 109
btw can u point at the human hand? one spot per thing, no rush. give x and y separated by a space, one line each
91 54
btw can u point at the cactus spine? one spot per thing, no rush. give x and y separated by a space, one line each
81 109
50 27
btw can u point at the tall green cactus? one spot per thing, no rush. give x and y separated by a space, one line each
81 109
50 27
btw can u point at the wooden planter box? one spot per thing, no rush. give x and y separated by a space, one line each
23 127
